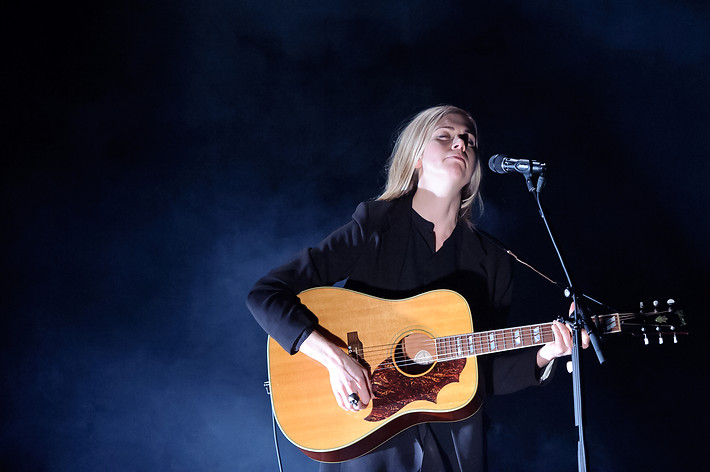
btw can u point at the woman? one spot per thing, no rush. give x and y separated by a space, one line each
417 236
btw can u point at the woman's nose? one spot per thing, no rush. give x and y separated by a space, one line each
460 142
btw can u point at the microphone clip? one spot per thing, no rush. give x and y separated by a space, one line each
534 172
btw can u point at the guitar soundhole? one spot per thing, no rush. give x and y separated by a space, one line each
414 354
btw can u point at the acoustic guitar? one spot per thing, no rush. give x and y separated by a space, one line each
421 353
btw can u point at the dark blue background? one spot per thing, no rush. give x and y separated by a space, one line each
161 156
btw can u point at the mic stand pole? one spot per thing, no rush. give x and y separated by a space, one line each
578 323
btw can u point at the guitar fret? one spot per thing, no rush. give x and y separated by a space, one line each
474 344
536 335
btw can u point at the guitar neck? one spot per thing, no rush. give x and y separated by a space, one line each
488 342
507 339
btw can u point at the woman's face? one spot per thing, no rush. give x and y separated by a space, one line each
449 157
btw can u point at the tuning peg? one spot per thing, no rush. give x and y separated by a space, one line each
655 305
645 338
660 336
675 336
641 307
670 303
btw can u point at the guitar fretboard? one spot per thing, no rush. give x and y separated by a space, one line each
487 342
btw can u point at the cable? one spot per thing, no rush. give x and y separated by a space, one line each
276 441
267 386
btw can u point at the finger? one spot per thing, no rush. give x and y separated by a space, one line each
364 396
352 401
567 334
358 396
354 398
563 337
360 378
567 338
342 400
557 344
342 390
353 379
365 388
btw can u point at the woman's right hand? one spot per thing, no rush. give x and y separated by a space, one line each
347 376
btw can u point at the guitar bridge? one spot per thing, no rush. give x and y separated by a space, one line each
355 349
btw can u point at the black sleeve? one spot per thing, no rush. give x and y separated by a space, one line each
274 299
515 370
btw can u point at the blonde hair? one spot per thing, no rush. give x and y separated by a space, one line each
402 175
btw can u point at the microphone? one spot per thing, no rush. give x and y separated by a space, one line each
502 164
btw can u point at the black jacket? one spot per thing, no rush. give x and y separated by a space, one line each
368 252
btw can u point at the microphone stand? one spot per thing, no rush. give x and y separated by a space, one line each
579 322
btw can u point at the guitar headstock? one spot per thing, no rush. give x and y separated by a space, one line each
648 324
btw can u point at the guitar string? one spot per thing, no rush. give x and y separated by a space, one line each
507 333
480 341
481 345
482 338
450 356
455 355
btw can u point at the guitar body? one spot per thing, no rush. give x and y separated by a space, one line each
301 395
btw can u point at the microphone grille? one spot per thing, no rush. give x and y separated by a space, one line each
496 163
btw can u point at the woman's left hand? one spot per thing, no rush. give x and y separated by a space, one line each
562 345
